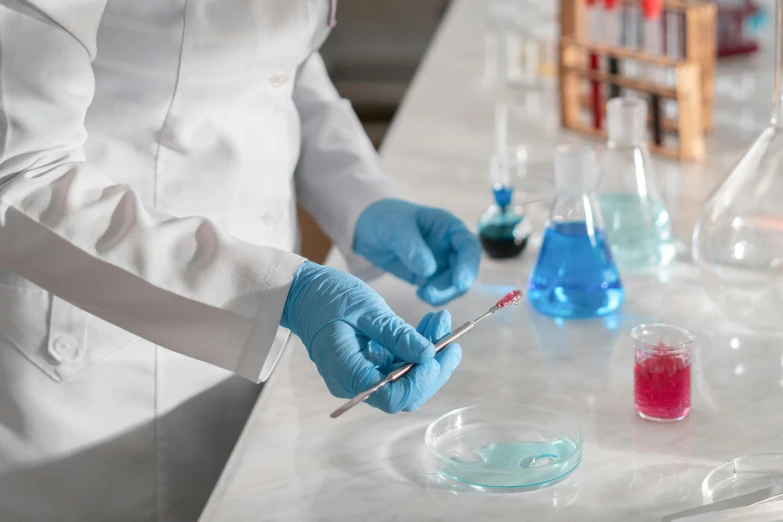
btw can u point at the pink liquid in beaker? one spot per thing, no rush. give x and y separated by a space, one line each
662 384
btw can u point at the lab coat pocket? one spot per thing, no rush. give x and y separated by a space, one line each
55 335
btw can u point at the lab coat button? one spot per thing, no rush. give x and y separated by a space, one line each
65 349
278 79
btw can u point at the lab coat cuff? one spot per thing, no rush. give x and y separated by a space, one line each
267 339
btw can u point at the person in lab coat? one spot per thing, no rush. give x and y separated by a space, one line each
152 154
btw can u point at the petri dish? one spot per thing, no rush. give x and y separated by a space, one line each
742 475
514 445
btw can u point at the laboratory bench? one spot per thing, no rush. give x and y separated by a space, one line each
294 463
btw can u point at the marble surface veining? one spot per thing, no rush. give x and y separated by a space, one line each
294 463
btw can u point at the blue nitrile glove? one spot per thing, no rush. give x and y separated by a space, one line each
425 246
355 339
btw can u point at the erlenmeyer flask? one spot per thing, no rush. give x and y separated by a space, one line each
575 275
637 223
738 239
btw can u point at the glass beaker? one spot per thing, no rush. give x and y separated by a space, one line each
637 223
575 275
503 229
738 239
662 371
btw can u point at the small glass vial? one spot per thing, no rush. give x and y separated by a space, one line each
662 371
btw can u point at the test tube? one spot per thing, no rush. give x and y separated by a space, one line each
630 36
594 34
653 45
675 26
612 27
547 28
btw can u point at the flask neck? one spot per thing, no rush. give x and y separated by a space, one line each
628 169
581 207
503 195
626 121
625 144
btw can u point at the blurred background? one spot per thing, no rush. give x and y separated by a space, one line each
373 53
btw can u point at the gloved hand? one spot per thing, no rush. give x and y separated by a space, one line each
425 246
355 339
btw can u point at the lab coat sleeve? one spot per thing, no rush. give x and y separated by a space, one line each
179 282
339 173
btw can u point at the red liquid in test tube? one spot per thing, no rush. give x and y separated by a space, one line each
653 45
612 27
594 35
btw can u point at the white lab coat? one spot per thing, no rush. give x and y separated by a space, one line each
151 156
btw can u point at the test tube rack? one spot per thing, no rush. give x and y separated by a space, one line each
693 77
686 91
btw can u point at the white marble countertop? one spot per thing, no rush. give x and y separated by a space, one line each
294 463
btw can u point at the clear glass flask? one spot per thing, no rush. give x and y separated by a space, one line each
575 275
503 229
637 223
738 239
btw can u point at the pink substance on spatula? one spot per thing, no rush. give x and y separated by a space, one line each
511 298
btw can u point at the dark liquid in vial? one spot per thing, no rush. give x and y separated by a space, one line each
502 247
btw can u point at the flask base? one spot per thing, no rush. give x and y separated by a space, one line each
502 248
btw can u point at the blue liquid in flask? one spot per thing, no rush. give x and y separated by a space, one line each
575 276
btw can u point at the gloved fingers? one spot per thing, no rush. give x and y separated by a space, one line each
396 396
379 357
392 397
436 223
427 381
433 326
384 327
412 251
417 386
434 322
428 378
468 250
440 289
340 354
398 269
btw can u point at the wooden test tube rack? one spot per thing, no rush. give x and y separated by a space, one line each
700 47
687 92
699 42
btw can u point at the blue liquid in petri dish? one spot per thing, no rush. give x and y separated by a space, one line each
515 464
575 276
